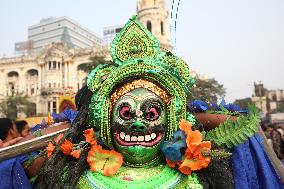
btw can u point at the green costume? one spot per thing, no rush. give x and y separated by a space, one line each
137 104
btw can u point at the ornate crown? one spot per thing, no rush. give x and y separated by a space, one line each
138 61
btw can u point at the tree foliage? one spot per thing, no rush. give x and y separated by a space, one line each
94 62
12 105
280 106
208 90
243 103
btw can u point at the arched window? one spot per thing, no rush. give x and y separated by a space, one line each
149 26
162 28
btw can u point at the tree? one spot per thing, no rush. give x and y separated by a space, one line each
280 106
12 105
94 62
208 90
243 103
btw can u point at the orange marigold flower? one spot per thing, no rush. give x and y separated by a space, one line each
49 149
90 136
185 126
75 153
194 159
67 147
193 137
106 162
173 164
184 168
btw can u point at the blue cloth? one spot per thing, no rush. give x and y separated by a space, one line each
12 174
251 167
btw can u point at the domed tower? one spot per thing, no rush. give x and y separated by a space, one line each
154 14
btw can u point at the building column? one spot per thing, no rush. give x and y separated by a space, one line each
64 74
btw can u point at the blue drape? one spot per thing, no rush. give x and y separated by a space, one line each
251 167
12 174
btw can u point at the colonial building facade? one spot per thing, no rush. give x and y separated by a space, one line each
55 71
268 101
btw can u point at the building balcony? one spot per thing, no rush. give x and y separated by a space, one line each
51 91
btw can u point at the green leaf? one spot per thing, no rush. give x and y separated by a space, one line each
232 133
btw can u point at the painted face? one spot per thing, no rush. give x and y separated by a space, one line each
139 125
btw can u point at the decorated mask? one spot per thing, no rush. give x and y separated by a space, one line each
139 100
138 125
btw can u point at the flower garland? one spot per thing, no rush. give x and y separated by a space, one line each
187 151
106 162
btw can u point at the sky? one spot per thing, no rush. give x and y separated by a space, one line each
238 42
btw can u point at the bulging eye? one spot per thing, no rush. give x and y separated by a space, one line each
152 114
125 113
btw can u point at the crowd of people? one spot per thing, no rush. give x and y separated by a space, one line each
15 172
274 133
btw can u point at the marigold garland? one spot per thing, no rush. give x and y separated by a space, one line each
106 162
67 147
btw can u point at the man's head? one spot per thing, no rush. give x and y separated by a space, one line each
23 128
8 130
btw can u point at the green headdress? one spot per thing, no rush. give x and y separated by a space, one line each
138 63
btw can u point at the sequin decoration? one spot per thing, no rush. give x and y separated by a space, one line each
134 42
140 83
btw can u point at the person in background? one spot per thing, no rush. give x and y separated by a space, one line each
23 128
14 172
8 130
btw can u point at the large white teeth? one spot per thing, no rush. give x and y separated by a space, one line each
147 138
122 135
127 138
140 138
153 135
134 138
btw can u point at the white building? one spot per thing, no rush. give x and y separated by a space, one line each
268 101
110 33
54 30
54 69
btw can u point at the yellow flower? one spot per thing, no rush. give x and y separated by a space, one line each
106 162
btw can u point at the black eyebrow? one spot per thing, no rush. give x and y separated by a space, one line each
150 102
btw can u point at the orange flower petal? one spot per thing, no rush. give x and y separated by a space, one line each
89 135
49 149
75 153
192 164
171 163
194 137
185 126
106 162
184 168
67 147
